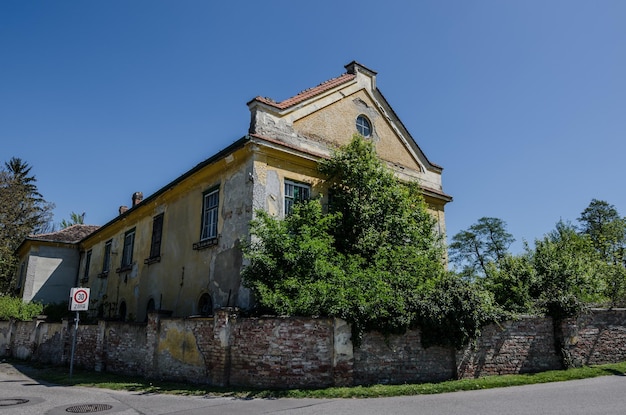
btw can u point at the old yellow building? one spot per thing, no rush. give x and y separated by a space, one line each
178 250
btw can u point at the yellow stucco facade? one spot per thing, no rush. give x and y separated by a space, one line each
178 250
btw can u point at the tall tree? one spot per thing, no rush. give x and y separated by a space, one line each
483 244
566 272
606 228
23 211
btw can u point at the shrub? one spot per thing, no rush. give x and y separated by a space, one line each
12 307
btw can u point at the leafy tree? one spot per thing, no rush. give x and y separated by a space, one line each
23 211
483 244
75 219
371 260
513 283
606 229
601 222
452 311
565 263
286 256
378 212
613 278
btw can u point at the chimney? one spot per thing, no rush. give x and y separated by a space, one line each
123 209
137 198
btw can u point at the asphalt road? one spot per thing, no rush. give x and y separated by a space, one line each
20 394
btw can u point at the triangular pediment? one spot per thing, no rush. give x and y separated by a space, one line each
324 117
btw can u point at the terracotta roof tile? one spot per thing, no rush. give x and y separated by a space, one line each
307 93
71 234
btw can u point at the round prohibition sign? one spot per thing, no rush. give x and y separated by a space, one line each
80 296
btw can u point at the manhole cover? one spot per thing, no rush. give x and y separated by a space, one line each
85 409
11 402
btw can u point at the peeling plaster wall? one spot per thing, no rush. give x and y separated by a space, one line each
270 175
329 121
178 353
183 273
336 126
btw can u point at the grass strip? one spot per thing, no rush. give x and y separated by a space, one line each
56 376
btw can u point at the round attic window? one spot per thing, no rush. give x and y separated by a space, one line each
363 126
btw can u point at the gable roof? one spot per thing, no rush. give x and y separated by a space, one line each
354 72
70 235
307 93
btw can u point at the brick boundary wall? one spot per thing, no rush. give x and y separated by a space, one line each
521 346
294 352
595 338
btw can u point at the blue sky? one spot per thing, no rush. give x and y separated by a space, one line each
522 102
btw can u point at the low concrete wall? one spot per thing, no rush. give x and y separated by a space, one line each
309 353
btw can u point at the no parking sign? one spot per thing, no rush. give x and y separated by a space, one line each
79 299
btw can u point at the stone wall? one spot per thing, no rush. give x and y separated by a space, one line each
307 353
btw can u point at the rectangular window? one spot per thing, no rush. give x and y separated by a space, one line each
210 204
106 262
157 232
295 193
129 243
87 265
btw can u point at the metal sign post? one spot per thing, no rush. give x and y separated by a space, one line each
79 301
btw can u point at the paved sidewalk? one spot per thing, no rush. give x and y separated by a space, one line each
20 394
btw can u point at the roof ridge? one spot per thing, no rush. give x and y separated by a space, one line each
65 229
307 93
321 84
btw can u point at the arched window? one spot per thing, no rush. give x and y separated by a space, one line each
123 311
149 308
363 126
205 305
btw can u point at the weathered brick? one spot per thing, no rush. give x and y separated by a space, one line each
304 352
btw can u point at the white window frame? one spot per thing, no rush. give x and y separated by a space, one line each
295 192
363 124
